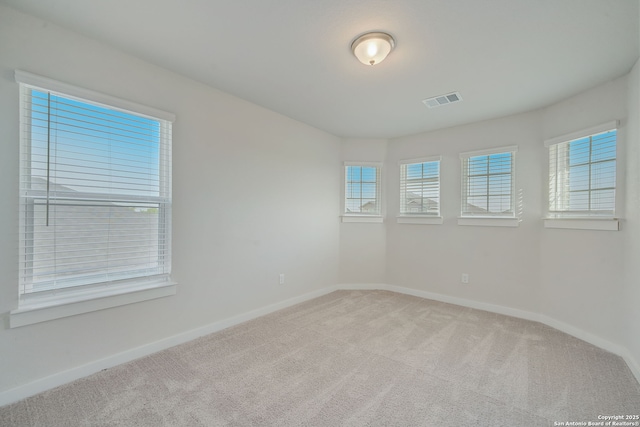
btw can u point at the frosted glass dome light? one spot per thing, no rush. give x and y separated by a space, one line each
372 48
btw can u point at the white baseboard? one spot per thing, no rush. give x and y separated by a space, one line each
64 377
619 350
632 363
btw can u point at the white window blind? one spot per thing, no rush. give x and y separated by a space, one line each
488 187
420 187
362 189
95 192
582 174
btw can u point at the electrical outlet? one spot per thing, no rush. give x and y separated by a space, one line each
465 278
282 278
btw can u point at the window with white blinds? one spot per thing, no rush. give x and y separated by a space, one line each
95 191
362 189
582 173
420 187
488 187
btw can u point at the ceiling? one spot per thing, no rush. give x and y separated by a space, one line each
293 56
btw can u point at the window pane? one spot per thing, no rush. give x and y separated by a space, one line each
500 163
579 151
579 201
477 204
354 173
88 243
369 191
431 169
353 205
500 185
478 165
477 186
354 190
368 174
604 146
579 178
369 205
603 200
500 204
414 171
603 175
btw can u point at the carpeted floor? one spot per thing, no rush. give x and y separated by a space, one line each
353 358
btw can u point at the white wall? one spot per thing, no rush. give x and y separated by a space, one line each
502 262
242 209
363 245
582 271
630 307
572 277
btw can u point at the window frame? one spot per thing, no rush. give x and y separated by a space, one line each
46 305
405 217
466 217
581 219
377 215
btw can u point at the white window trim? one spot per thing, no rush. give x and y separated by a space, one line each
362 218
419 219
86 94
422 218
44 306
420 160
492 220
358 216
601 224
581 222
582 133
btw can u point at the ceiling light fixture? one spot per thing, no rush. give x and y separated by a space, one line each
372 48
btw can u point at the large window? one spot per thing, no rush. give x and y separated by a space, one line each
95 193
362 189
582 174
420 187
488 188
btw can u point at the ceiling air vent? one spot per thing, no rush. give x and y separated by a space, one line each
439 100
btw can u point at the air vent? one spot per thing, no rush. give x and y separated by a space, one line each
437 101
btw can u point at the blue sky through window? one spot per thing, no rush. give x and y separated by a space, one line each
94 149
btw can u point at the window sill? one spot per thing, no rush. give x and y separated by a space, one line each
38 309
602 224
362 218
418 219
489 221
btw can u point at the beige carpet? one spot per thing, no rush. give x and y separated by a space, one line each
353 358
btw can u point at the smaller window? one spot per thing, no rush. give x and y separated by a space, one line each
420 187
582 173
488 187
362 189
